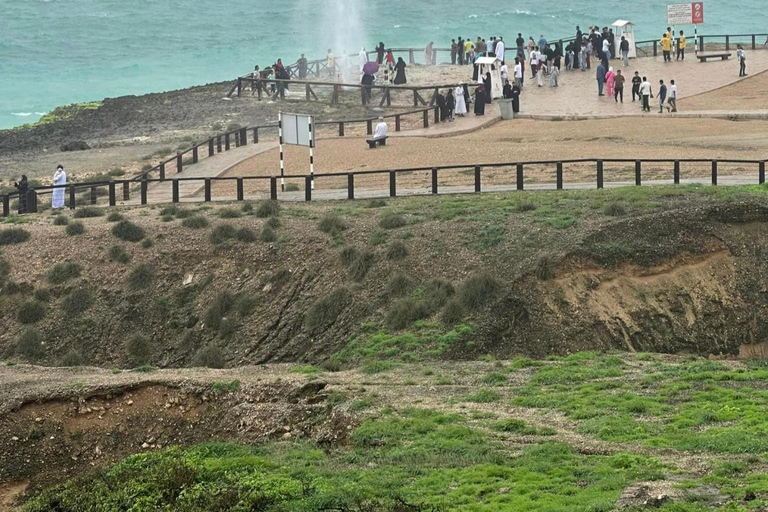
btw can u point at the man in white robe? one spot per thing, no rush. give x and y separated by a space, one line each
363 58
59 178
461 105
500 49
381 129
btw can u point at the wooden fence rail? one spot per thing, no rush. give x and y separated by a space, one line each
474 170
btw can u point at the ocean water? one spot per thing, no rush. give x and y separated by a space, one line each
55 52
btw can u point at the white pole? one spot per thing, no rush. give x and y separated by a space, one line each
311 153
282 162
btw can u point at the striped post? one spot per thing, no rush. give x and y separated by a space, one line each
282 161
311 152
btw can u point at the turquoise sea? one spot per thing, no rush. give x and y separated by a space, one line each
55 52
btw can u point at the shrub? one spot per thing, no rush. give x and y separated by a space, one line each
75 228
78 301
30 345
115 217
181 213
229 213
268 235
478 290
326 311
247 208
88 212
72 358
378 238
31 312
60 220
118 254
396 251
268 209
141 277
218 309
116 172
484 396
227 327
42 295
404 312
139 349
392 220
376 203
292 187
331 224
525 206
437 292
167 218
360 266
453 313
209 357
280 277
347 255
245 305
222 233
399 285
197 222
273 222
128 231
171 209
5 269
615 210
13 236
245 235
545 268
63 272
147 243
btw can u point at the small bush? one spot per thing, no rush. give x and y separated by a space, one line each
245 235
181 213
227 327
392 221
116 172
245 305
167 218
128 231
31 312
88 212
139 350
209 357
141 277
331 224
218 309
13 236
5 269
171 209
453 313
115 217
78 301
378 238
396 251
60 220
247 208
326 311
75 228
147 243
72 358
404 312
615 210
376 203
196 222
437 292
268 209
273 223
280 277
118 254
42 294
476 291
268 235
545 268
361 265
525 206
292 187
229 213
30 345
347 255
400 285
222 233
494 379
63 272
484 396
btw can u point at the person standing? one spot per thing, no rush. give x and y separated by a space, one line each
467 51
534 62
460 51
480 100
515 99
618 86
500 49
583 57
554 74
488 83
609 81
23 188
450 102
454 51
461 104
662 95
400 72
681 44
612 41
672 97
542 42
666 47
647 92
330 63
380 54
429 54
600 79
531 46
362 59
390 59
636 83
59 180
367 83
518 72
742 56
624 48
577 48
520 44
302 65
606 49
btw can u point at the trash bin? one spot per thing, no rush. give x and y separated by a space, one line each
505 105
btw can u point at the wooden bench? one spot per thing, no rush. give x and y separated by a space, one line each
704 57
372 143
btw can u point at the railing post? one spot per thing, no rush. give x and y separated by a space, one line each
677 172
397 123
112 195
175 190
350 186
6 205
655 49
426 119
559 176
369 127
144 191
126 191
714 172
240 191
754 42
179 163
273 188
410 57
210 147
638 172
72 199
239 86
341 129
434 180
727 43
94 198
392 184
218 143
599 174
195 155
761 172
243 136
226 141
477 179
32 201
308 188
207 190
519 177
162 170
701 43
255 135
437 115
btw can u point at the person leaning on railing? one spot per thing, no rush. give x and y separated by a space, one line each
23 188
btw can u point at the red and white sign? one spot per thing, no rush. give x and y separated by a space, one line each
685 14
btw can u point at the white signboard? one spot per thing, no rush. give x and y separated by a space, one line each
685 14
298 130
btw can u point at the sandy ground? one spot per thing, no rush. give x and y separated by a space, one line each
749 94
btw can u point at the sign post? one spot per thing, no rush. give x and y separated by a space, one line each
687 14
297 130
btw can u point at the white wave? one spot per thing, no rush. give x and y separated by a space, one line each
397 26
40 113
21 114
472 16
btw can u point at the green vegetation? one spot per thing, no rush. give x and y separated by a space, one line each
209 357
268 234
115 217
196 222
361 265
87 212
141 277
31 312
139 349
226 387
75 228
222 233
118 254
72 358
306 369
128 231
332 225
477 291
325 311
245 235
78 300
268 209
396 251
520 427
147 243
400 285
13 236
229 213
391 220
30 345
60 220
63 272
68 112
